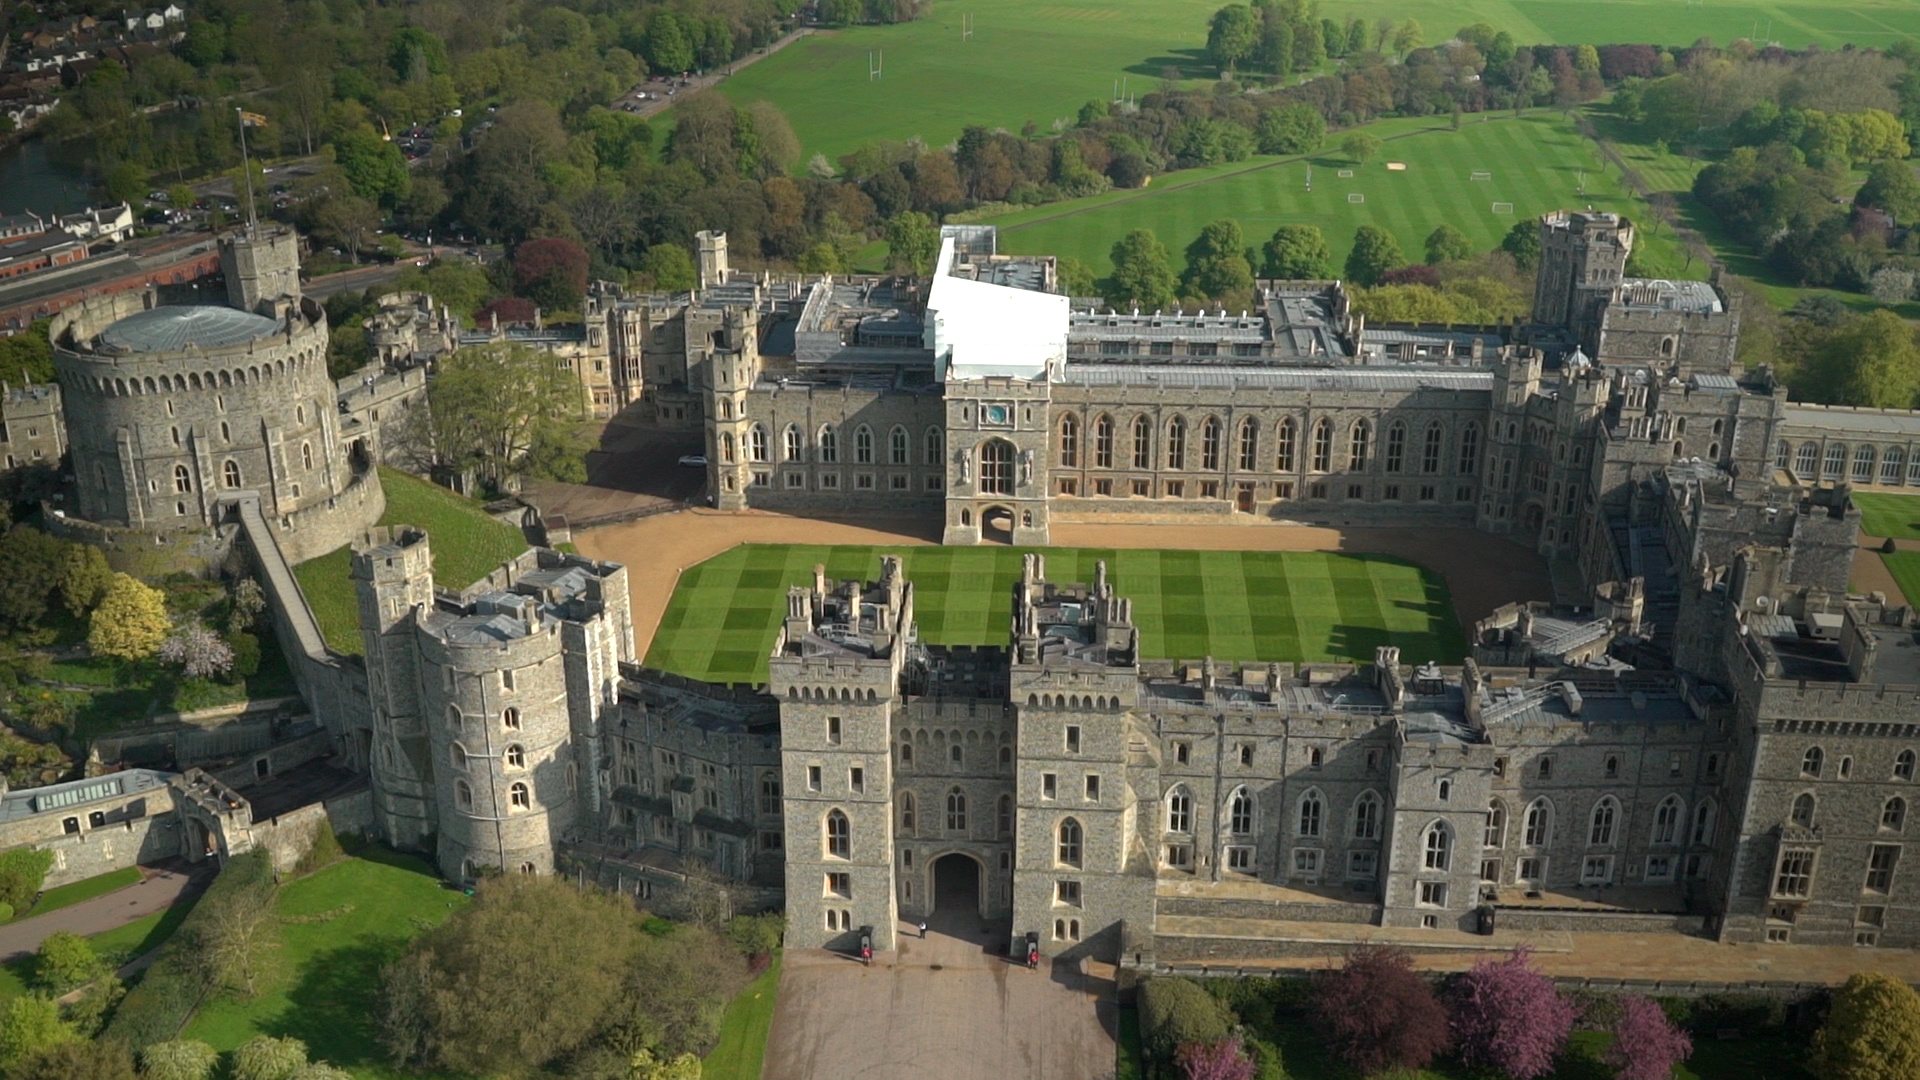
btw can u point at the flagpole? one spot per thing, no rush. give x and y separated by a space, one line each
246 171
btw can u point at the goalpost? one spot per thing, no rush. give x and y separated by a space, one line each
1346 174
1481 176
1503 208
1356 197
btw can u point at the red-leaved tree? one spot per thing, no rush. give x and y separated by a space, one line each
1646 1045
1508 1017
551 272
1377 1013
510 309
1215 1061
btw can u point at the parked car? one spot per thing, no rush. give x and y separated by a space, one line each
694 461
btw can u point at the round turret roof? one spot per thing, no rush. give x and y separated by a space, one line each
168 329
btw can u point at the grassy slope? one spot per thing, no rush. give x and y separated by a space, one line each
1885 514
323 980
467 545
1536 161
1234 606
1040 62
743 1030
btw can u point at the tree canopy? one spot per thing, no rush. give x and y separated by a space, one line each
491 407
1375 1012
1448 244
1296 252
1217 264
1375 251
1509 1017
130 621
1142 272
1872 1031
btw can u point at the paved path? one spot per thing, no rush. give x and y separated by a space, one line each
937 1008
158 891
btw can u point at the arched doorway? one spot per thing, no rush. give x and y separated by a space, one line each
959 893
996 525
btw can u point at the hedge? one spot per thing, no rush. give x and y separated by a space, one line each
1175 1011
164 999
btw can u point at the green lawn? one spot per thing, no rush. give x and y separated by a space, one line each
1905 568
1537 162
743 1030
117 946
1231 605
57 898
324 978
1885 514
1040 62
467 545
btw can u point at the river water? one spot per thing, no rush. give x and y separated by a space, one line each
34 178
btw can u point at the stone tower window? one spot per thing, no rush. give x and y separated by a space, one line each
1240 813
1539 824
935 449
839 835
956 755
1179 810
182 479
1359 446
230 474
518 797
1142 443
1802 813
1612 766
956 810
1903 765
306 455
1496 836
1069 442
829 445
226 433
174 433
457 754
996 467
1396 446
1810 764
1249 444
833 730
863 445
1177 443
511 718
909 812
1283 438
1210 444
516 756
1600 829
1446 790
1366 817
1666 820
1103 442
1430 454
1068 850
1703 819
1311 813
757 443
1667 346
462 795
1003 815
1894 814
1323 445
299 414
898 450
1438 847
906 753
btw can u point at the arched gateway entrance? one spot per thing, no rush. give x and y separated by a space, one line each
959 893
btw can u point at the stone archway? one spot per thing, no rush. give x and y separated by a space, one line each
959 893
996 525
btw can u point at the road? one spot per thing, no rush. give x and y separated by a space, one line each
158 891
657 102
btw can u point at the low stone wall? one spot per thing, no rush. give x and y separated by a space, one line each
1069 510
145 553
271 761
1206 908
290 836
322 527
93 852
1599 922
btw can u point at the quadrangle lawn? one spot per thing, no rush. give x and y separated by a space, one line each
1886 514
1232 605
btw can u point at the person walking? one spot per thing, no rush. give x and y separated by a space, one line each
923 929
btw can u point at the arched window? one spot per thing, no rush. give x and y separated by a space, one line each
1358 446
306 456
1600 828
1210 444
794 448
1903 765
462 795
1003 816
1177 443
906 752
1538 831
1470 450
1438 846
230 474
518 797
1396 446
1863 459
1323 445
899 452
1783 454
1068 850
956 811
1666 820
182 479
1892 464
839 835
996 467
1249 444
1311 812
1496 825
1179 811
458 755
956 755
935 448
1240 812
1142 443
863 445
1430 453
1806 458
1894 814
909 811
1366 817
1069 441
1103 442
726 447
1802 813
1810 764
1836 461
829 445
516 756
1703 819
510 716
1283 452
757 443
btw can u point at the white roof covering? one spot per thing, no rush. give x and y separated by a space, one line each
977 329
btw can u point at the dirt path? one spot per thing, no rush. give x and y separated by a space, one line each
159 890
1481 571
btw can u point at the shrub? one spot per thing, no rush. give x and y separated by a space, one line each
1872 1032
178 1059
22 871
29 1025
1508 1017
264 1057
1376 1012
66 960
1887 546
246 654
1646 1045
76 1060
1175 1012
756 935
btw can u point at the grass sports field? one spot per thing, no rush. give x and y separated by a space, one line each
1883 514
1043 61
1231 605
1537 163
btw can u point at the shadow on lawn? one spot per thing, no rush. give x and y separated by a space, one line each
1190 63
336 1002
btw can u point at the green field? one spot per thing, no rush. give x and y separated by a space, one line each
1905 568
1884 514
1537 162
1231 605
467 545
743 1030
1042 62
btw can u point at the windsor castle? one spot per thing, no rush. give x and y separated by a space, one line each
1708 733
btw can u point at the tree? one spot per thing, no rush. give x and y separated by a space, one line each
703 134
77 1059
1217 262
29 1025
230 944
28 356
1872 1031
1290 129
1375 251
1893 187
1376 1012
1231 36
1075 277
264 1057
1646 1045
22 870
374 168
1407 38
1142 272
1448 244
1174 1013
1296 252
644 1066
489 407
913 242
29 560
1508 1017
66 960
777 147
1523 243
179 1059
1217 1061
671 267
83 578
1869 361
551 272
198 652
1360 147
345 221
125 182
130 621
458 286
